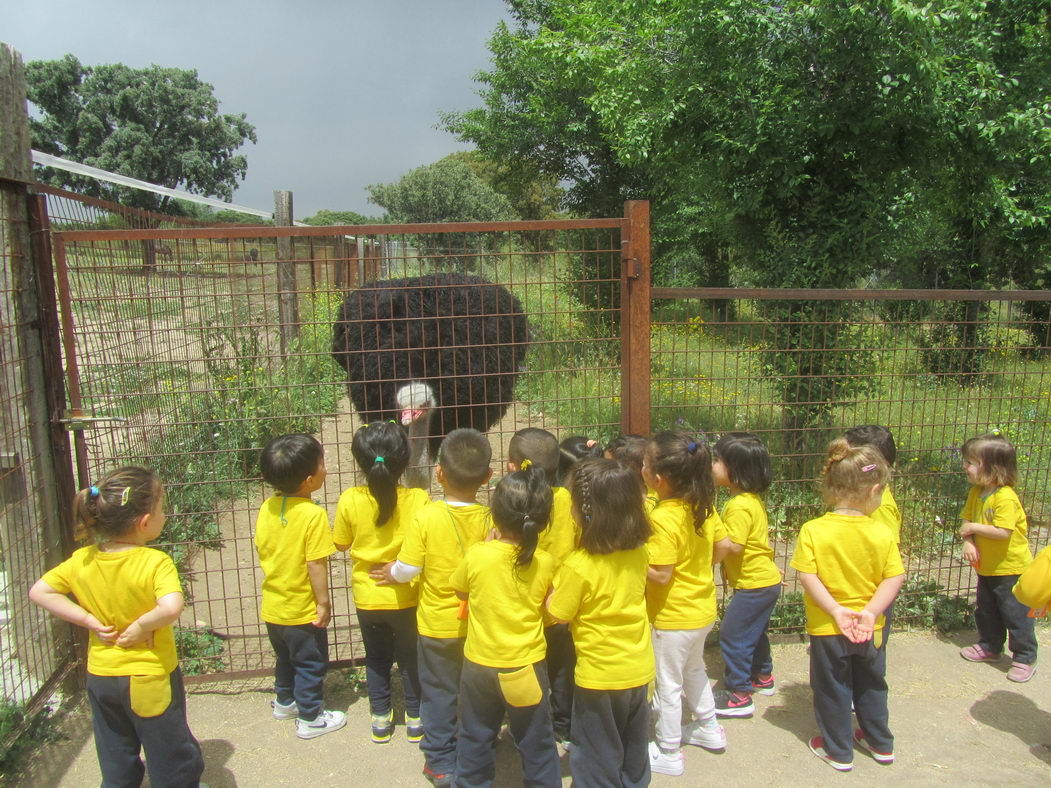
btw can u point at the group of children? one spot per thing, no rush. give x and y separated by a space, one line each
576 604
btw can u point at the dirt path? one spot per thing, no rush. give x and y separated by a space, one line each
955 723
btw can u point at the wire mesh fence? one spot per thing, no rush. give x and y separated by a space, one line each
799 368
190 364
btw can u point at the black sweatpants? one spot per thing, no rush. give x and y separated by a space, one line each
173 756
611 736
999 617
561 661
302 661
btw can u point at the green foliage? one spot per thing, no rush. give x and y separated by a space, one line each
924 603
532 194
789 612
446 191
325 217
160 125
32 731
200 651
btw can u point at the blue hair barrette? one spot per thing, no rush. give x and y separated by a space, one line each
93 491
691 447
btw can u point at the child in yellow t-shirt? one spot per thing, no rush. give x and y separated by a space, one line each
1033 588
437 540
127 597
630 449
371 521
293 541
996 544
571 451
851 571
600 589
688 538
505 582
742 465
533 447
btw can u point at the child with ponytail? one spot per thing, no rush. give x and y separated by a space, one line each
371 521
127 596
505 581
851 571
688 538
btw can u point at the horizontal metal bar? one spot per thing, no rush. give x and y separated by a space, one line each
259 673
825 294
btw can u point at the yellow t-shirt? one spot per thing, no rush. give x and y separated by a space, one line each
1002 508
284 549
687 601
437 540
504 604
372 544
117 588
1033 588
851 556
603 598
889 514
745 519
560 537
649 503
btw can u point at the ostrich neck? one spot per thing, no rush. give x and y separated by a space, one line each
419 457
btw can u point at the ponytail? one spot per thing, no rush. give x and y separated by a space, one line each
111 508
521 506
686 463
850 471
381 450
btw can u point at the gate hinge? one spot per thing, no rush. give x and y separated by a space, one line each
76 420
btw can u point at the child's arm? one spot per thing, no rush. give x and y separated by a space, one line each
723 548
167 611
317 571
660 573
393 572
845 618
989 531
63 607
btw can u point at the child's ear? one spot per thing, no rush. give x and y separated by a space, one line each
488 475
439 475
511 466
142 521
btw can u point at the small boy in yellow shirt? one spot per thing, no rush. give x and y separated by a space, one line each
436 541
293 540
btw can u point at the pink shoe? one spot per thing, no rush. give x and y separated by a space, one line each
976 653
1020 672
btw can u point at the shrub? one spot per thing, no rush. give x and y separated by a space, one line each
200 651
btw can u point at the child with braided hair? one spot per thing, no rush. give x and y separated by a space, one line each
600 590
851 571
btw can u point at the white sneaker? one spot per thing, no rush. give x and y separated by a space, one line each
326 722
708 734
283 712
671 763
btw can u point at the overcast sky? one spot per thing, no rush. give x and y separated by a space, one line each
342 94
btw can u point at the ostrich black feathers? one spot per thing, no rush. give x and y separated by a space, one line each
462 336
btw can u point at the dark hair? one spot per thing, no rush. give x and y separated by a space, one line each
111 507
747 461
629 449
521 506
381 450
876 436
288 460
686 464
573 449
608 505
464 457
997 457
850 471
538 446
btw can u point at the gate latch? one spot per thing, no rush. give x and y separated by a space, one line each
76 420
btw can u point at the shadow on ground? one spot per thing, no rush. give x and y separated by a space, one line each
1018 715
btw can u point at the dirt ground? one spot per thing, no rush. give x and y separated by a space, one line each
955 723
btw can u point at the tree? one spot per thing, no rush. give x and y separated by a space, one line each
532 194
160 125
326 217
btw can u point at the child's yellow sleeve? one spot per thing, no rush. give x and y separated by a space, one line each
1033 588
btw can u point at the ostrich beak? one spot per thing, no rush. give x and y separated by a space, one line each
409 415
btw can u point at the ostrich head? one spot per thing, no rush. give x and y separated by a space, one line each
415 401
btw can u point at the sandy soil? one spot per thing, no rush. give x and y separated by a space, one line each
955 723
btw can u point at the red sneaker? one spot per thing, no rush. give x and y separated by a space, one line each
863 743
438 779
817 746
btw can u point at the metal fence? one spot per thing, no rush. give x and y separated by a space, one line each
191 362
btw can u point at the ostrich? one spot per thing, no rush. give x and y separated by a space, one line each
434 353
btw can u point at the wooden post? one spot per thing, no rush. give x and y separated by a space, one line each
635 319
31 528
287 294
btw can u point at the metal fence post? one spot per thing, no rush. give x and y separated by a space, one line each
287 291
635 319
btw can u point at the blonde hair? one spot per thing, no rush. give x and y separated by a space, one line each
996 458
111 507
850 472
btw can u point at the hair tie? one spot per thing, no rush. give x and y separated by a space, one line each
524 464
377 459
124 496
996 432
93 491
691 447
867 468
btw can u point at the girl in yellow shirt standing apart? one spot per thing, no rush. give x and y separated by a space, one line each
688 537
371 521
994 531
127 597
505 582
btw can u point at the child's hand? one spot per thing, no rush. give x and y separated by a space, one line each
381 574
865 625
324 615
107 633
970 553
847 623
134 635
